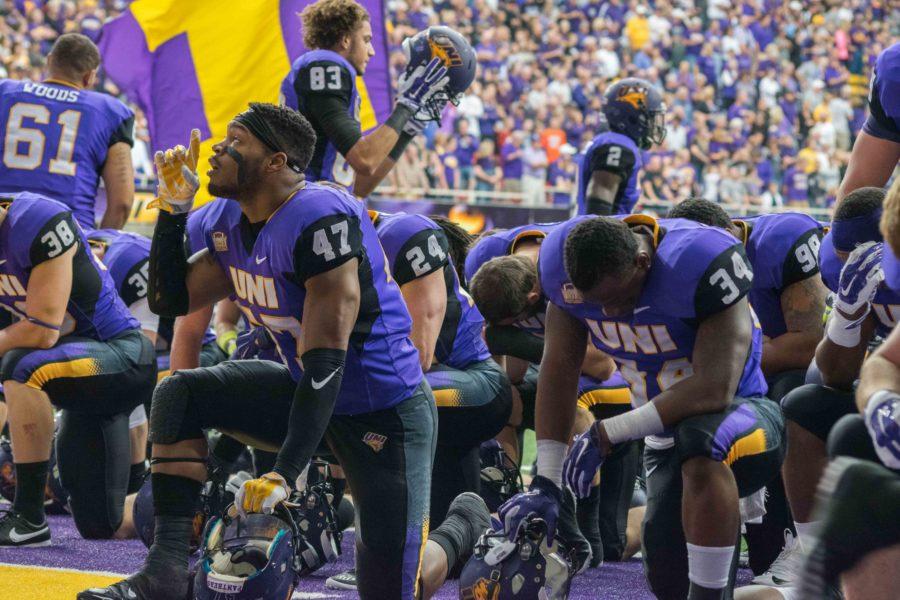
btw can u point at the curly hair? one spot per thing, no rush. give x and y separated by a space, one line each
460 242
597 248
293 132
325 22
701 211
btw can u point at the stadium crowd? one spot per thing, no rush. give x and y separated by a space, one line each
764 97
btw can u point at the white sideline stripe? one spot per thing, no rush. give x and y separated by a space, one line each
64 570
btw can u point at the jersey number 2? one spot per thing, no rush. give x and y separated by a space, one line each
33 140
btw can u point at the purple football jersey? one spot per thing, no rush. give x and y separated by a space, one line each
316 74
56 141
318 229
884 97
501 243
416 246
37 229
127 258
696 271
618 154
783 249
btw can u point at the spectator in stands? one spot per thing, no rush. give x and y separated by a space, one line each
534 172
511 159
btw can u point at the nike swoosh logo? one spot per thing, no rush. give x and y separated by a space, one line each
318 385
23 537
260 261
640 309
779 581
2 262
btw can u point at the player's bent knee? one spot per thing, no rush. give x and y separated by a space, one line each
816 408
849 437
94 526
171 416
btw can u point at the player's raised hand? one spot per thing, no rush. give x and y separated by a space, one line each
416 87
176 170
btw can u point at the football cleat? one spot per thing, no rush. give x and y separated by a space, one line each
17 531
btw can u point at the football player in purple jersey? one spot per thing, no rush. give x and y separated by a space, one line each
668 304
322 86
75 347
304 262
61 138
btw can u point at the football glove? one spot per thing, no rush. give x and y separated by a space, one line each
860 278
176 170
261 495
542 500
582 461
416 87
227 341
883 423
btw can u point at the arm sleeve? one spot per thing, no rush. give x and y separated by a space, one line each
507 340
123 133
327 244
325 90
613 158
727 279
168 291
56 236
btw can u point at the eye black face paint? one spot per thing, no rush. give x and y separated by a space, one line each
239 159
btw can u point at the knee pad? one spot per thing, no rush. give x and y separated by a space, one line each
816 408
849 437
170 420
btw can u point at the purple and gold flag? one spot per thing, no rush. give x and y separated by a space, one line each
198 63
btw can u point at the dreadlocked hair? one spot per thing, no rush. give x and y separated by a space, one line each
460 242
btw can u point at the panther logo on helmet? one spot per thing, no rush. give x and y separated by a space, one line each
443 48
484 589
633 95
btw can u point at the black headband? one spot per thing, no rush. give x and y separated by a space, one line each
259 127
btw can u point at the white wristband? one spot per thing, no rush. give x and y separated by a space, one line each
550 457
842 331
634 425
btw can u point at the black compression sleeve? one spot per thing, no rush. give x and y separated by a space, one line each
507 340
169 295
330 113
400 147
314 399
599 206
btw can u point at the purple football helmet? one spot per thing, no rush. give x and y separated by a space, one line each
457 55
635 108
526 569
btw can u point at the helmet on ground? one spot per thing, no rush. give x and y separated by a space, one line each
316 519
500 476
252 557
525 569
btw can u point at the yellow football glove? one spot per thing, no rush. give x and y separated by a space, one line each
261 495
176 170
227 341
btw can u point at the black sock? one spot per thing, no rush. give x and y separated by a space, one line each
698 592
588 514
31 483
174 504
136 476
449 538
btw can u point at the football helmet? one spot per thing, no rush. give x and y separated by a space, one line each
635 108
56 499
214 496
316 519
500 477
525 569
7 471
457 55
250 557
